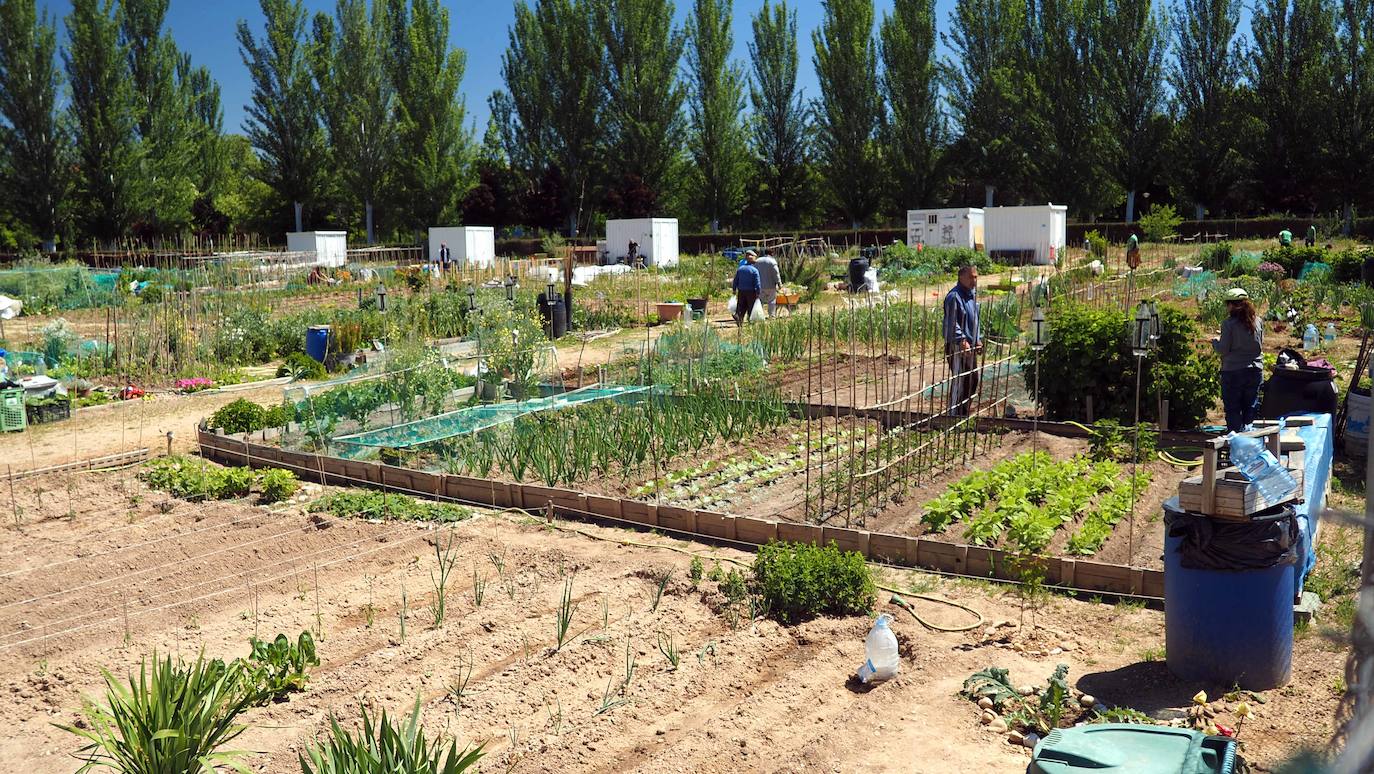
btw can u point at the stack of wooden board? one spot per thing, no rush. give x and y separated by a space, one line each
1223 493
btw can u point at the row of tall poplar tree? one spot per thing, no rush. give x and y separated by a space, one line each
357 119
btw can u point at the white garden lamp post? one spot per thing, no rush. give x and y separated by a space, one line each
1142 340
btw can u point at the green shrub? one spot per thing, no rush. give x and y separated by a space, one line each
800 581
1090 354
1292 259
1347 265
239 416
278 485
1160 223
279 415
1215 257
1097 244
388 747
302 367
230 483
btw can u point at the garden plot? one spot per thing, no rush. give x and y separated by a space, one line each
744 695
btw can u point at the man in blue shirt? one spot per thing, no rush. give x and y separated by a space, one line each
746 285
963 340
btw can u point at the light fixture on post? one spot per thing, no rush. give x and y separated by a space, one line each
510 289
1141 342
1040 337
381 297
549 301
472 298
1154 324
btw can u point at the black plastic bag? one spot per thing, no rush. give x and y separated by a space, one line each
1268 539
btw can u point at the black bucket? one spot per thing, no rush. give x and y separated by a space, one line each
857 267
554 315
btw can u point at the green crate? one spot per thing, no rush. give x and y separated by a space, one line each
12 415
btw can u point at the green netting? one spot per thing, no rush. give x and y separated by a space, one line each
1196 286
471 420
1315 271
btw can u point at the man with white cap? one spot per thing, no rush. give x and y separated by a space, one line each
746 286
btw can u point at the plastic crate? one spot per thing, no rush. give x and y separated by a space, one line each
42 414
12 414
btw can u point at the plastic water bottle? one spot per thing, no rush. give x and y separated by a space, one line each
881 646
1258 465
1309 337
1329 336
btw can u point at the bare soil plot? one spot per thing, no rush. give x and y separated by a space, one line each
759 697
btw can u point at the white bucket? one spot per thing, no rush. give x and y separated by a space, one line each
1357 424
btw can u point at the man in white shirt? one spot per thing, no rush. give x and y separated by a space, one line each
770 279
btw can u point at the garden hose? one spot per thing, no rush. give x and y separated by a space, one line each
1182 463
896 600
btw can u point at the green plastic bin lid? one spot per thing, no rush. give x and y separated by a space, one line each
1127 748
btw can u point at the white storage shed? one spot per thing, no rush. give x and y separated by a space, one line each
657 238
945 227
1031 234
468 244
330 247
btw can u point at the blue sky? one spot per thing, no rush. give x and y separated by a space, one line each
205 28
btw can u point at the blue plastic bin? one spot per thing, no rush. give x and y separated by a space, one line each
1227 627
317 341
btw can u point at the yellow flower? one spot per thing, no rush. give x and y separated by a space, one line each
1212 730
1243 710
1200 697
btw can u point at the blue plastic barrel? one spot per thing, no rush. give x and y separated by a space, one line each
1227 627
317 341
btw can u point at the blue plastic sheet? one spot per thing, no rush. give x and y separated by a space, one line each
1316 472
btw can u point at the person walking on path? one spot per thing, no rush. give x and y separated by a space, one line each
746 286
1242 367
445 257
770 279
963 340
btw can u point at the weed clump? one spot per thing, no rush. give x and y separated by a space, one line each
799 581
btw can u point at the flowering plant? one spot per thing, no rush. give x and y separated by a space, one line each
1271 270
194 385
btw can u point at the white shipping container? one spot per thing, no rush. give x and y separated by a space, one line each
945 227
330 247
468 244
1035 232
657 238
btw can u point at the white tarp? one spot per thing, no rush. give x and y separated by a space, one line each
10 307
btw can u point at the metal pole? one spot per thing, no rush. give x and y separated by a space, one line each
1135 460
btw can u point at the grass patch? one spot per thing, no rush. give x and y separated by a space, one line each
1336 576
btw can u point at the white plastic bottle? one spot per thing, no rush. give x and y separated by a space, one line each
1309 337
881 647
1257 464
1329 337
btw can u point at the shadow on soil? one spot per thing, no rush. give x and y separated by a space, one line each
1147 686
